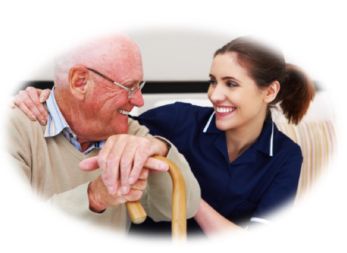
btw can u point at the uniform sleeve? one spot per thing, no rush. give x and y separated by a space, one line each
161 120
283 188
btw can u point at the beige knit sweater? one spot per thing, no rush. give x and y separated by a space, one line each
51 166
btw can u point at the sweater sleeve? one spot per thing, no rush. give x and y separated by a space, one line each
75 202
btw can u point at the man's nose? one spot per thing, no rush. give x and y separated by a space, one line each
137 99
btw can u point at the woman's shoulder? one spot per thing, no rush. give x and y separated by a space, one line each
187 106
181 109
191 112
286 145
175 117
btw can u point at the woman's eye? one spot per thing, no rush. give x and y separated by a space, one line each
231 84
212 82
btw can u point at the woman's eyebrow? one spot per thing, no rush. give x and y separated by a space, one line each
225 77
229 78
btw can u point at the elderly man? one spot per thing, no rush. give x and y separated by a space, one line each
95 87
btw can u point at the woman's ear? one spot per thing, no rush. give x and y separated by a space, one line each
79 81
271 91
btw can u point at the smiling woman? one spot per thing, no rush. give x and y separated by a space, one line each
236 97
246 167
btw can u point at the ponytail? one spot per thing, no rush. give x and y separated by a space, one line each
296 93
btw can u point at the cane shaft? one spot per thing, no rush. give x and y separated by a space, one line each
138 215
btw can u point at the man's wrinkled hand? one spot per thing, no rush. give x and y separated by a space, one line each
100 199
123 158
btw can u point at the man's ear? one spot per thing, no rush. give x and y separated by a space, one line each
78 81
271 91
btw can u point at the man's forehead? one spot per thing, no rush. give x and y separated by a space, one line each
127 71
130 81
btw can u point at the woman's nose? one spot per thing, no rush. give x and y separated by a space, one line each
217 93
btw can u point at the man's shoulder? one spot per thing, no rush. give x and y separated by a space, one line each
17 115
23 135
136 129
19 120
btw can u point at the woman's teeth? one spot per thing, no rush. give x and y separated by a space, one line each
225 109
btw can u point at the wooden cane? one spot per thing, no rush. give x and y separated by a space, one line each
136 212
179 211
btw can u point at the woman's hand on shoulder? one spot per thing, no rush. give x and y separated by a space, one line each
30 101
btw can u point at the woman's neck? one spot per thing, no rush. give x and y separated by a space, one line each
241 138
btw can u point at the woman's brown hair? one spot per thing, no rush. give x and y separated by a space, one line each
265 66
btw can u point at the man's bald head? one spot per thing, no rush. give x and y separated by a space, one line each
113 55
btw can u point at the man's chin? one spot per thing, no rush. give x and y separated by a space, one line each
121 129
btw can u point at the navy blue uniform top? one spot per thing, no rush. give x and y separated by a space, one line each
260 179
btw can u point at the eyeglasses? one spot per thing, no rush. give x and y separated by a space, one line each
131 90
